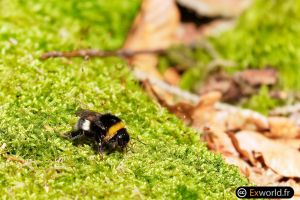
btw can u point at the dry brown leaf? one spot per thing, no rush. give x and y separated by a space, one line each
204 113
243 153
255 175
209 112
256 77
238 121
188 32
212 8
182 110
263 177
209 99
295 117
242 84
284 160
243 166
218 141
172 76
154 28
282 127
223 83
216 27
294 143
236 118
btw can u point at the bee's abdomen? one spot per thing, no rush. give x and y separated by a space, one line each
113 130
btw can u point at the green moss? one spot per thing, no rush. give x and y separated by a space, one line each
192 62
262 102
266 35
39 98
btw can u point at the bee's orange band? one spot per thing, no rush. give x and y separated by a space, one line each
113 130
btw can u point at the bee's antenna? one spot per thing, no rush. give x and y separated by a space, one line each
129 149
137 138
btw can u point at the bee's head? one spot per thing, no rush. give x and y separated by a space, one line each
119 141
122 138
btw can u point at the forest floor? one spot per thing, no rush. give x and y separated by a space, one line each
39 99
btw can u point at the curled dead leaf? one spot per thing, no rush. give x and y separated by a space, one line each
209 112
223 83
242 84
282 159
263 177
172 76
182 110
188 33
216 27
218 141
294 143
256 77
282 127
204 112
250 119
227 8
209 99
154 28
243 166
247 155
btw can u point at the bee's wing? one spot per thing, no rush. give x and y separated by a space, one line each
87 114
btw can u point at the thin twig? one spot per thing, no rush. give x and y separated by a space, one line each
286 110
195 99
9 157
14 159
208 47
220 63
142 76
88 53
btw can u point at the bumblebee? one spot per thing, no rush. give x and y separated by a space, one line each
107 130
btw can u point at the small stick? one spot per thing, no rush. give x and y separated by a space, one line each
142 76
8 157
14 159
286 110
138 139
124 53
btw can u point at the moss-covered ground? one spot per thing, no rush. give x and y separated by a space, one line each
38 101
265 36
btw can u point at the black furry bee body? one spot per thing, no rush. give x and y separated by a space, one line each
108 130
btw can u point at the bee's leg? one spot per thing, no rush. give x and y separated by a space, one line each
73 135
125 149
129 149
100 145
100 150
